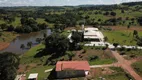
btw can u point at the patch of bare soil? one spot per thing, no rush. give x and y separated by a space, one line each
23 68
3 45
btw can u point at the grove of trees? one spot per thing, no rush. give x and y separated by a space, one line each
9 63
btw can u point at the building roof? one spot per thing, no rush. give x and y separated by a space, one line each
33 76
72 65
89 32
92 29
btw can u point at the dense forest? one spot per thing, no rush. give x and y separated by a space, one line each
30 19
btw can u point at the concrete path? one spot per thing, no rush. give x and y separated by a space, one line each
126 65
106 65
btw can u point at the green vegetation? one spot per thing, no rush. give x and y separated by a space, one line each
112 73
7 36
138 67
131 53
101 61
119 74
28 57
9 64
41 72
28 60
121 37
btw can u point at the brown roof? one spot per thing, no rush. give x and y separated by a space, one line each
72 65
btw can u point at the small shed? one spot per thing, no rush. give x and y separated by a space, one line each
33 76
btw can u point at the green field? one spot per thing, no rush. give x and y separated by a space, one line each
28 58
121 37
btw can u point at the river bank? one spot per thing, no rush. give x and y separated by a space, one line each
3 45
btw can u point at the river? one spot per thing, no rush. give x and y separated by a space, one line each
14 46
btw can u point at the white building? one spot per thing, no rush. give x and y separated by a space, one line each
94 36
33 76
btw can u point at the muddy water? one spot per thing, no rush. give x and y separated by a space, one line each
24 39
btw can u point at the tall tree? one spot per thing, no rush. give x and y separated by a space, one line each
9 62
57 44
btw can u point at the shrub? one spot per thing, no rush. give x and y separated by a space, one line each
93 58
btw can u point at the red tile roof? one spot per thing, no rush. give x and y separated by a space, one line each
73 65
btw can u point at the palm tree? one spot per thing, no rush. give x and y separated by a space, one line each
22 46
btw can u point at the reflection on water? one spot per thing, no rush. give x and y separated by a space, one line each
24 39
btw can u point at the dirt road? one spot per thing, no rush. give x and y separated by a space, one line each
125 64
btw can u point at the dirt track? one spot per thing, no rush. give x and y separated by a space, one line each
125 64
3 45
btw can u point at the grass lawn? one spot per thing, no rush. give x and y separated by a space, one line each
28 59
121 37
102 61
40 70
138 67
8 36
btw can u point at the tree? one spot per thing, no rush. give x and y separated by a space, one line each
9 62
105 38
0 34
44 35
38 40
135 32
139 41
115 45
3 26
22 46
140 20
113 13
56 43
122 11
76 37
10 28
128 26
29 44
